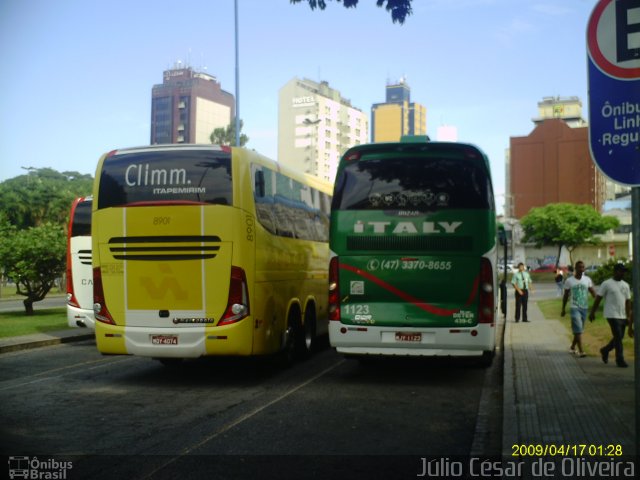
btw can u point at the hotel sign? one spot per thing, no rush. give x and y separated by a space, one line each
305 101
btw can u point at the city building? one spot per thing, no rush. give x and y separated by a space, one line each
316 125
553 163
187 106
447 133
397 116
568 109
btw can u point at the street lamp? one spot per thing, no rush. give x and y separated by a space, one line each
237 78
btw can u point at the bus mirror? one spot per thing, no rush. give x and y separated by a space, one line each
259 187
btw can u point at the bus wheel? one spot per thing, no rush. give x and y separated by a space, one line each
291 343
287 356
308 343
486 359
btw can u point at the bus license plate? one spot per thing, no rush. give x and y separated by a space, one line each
164 339
408 337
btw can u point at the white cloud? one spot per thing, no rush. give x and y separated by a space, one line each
515 28
452 5
551 9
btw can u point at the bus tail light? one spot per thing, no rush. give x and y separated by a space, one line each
352 157
334 290
71 297
238 303
486 303
99 303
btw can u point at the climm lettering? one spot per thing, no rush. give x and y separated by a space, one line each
142 175
406 227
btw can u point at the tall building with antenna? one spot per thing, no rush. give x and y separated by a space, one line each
188 105
398 116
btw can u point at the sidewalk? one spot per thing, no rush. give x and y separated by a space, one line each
552 397
24 342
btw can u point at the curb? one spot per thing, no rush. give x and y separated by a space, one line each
28 342
509 417
485 441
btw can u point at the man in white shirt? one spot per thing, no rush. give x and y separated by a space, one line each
579 287
617 310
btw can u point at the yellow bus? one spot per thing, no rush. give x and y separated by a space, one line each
202 250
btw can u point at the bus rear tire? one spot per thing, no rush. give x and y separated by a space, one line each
486 359
308 343
294 340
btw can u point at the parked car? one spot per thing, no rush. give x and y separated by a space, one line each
549 269
510 267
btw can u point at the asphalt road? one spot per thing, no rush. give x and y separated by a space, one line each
17 305
118 417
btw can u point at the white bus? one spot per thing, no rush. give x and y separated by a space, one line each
79 271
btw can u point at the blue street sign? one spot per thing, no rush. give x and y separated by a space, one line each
613 41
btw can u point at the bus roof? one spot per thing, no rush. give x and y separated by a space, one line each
168 146
304 178
414 144
415 139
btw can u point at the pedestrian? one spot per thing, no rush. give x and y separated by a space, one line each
617 310
559 281
579 286
521 282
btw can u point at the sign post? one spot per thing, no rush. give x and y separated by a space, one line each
613 66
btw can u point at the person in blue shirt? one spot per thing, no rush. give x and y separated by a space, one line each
521 281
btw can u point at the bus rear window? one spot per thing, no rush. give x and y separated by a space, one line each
413 182
81 224
166 176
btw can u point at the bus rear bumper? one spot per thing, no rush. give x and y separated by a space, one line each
368 340
80 317
187 342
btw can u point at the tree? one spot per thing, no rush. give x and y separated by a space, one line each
43 195
605 271
34 259
400 9
565 224
227 136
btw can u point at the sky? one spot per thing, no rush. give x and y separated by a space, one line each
77 75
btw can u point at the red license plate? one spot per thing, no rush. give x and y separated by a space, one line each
164 339
408 337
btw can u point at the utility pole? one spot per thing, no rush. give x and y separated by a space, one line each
237 78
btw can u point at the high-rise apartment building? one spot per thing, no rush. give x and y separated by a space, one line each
187 106
316 125
397 116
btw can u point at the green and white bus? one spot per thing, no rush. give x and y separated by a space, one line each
413 251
